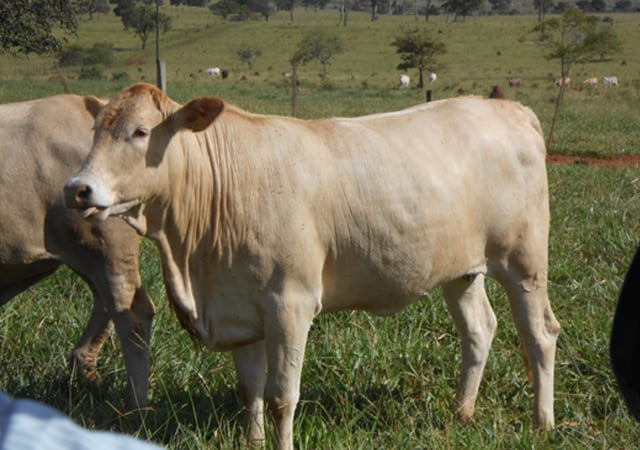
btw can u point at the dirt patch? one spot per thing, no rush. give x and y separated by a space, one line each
617 161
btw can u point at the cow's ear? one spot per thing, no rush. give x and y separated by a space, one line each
198 114
94 104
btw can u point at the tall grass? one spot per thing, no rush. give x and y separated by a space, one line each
367 382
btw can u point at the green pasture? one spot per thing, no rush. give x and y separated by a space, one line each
363 79
368 382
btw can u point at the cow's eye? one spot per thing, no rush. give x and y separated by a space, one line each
140 133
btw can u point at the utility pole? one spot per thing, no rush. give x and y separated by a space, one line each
161 70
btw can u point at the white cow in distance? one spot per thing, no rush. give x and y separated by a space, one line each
610 81
432 77
444 193
213 71
404 81
514 82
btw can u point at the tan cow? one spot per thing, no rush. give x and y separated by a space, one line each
591 81
562 80
42 143
263 222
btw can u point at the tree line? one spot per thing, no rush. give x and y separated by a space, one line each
27 25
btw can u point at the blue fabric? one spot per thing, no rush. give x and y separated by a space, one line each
29 425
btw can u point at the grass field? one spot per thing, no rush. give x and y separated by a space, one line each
368 382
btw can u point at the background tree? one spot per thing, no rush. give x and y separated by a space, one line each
542 7
501 6
430 10
461 8
320 45
565 38
241 10
266 8
374 10
623 6
602 41
248 54
344 8
230 10
301 56
190 2
91 7
140 17
418 49
30 26
315 4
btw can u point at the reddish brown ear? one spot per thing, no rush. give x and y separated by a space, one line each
198 114
94 104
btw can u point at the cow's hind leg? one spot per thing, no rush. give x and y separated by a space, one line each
539 330
85 354
251 369
476 322
133 326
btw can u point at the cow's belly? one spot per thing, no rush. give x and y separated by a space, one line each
385 285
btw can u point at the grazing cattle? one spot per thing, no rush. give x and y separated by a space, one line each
514 82
42 143
432 77
497 92
404 81
624 346
263 222
562 80
592 81
610 81
225 74
213 71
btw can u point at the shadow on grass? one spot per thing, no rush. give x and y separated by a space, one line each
178 415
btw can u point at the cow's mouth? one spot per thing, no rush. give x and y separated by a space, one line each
93 212
101 213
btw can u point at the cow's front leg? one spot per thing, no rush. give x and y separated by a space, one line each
251 369
286 332
476 322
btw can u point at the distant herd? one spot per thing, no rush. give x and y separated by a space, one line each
497 92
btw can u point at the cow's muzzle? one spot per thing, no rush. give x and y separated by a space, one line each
78 195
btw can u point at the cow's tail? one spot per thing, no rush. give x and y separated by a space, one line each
624 347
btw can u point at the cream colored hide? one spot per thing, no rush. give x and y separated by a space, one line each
42 143
263 222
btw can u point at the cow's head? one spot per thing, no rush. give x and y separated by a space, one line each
128 165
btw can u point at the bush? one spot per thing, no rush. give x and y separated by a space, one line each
120 76
100 53
75 55
91 73
71 56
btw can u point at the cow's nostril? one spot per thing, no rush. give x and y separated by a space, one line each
83 193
